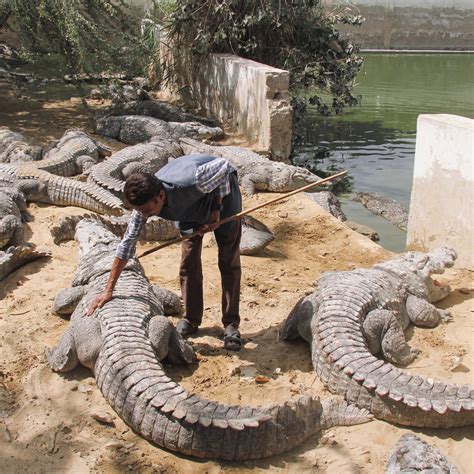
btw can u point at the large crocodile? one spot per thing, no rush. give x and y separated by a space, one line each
355 314
13 211
255 172
69 192
133 129
15 257
384 206
155 228
149 157
157 109
121 344
74 153
255 235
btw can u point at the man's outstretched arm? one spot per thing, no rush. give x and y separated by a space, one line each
117 266
125 251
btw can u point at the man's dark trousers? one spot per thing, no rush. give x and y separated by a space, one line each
228 241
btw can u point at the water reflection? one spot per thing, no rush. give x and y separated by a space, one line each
376 141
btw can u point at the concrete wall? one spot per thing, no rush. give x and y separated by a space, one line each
442 199
250 98
411 24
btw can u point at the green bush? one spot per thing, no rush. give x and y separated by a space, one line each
90 35
297 35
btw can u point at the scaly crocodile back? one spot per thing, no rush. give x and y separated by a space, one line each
150 156
343 362
135 384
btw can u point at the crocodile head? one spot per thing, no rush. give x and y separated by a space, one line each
97 246
415 270
300 177
109 126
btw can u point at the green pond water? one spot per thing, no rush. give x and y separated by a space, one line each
375 141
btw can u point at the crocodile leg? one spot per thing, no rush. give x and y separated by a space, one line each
298 323
159 331
66 300
179 350
80 343
167 343
383 331
11 231
63 357
424 314
248 186
170 300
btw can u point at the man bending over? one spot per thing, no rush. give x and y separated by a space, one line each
196 191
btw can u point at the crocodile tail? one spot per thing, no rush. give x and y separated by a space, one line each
134 383
69 192
166 414
15 257
390 393
337 412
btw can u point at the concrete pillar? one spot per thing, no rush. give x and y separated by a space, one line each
250 98
442 199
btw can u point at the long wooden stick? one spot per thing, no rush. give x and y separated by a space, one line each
243 213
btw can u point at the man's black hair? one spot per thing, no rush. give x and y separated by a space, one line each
142 187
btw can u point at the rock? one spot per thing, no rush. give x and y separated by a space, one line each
457 365
5 433
83 389
364 230
412 454
103 417
248 371
114 445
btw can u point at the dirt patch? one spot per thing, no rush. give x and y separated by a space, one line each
45 418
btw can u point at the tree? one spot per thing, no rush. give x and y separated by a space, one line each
297 35
90 35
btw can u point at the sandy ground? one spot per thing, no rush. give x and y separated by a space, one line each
45 418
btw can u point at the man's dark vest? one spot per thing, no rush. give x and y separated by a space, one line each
184 202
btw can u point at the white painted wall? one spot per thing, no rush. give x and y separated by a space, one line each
250 98
442 199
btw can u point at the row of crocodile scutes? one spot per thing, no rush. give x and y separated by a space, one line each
68 192
162 411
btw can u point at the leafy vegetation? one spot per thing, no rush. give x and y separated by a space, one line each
90 36
297 35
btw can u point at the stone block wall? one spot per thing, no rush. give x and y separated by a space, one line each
442 199
411 24
249 98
